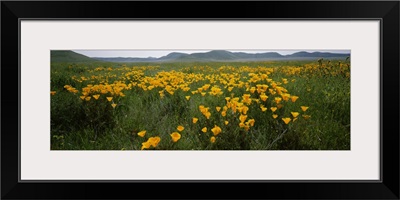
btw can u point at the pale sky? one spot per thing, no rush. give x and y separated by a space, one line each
159 53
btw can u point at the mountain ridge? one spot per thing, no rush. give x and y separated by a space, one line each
223 55
213 56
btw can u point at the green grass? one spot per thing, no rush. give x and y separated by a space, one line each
95 125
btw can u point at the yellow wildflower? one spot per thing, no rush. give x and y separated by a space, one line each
251 122
207 114
245 109
252 89
142 133
294 98
303 108
216 130
242 118
175 136
286 120
212 139
154 141
263 97
294 114
180 128
145 145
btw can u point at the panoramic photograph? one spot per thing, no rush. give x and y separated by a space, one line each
216 99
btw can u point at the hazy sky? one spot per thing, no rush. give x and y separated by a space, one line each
159 53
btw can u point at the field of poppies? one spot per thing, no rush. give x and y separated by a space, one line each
274 105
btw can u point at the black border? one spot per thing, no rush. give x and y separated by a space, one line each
387 12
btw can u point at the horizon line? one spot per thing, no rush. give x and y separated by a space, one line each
161 53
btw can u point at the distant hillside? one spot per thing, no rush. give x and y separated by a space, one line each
170 57
68 56
303 54
173 56
126 59
222 55
215 55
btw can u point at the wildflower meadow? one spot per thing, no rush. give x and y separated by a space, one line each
261 105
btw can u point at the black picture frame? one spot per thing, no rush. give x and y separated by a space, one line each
386 11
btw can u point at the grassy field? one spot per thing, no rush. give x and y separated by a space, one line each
282 105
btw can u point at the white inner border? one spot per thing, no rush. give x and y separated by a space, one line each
39 163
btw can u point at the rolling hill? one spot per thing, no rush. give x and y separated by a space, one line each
68 56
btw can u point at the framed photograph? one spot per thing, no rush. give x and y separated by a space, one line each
298 97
